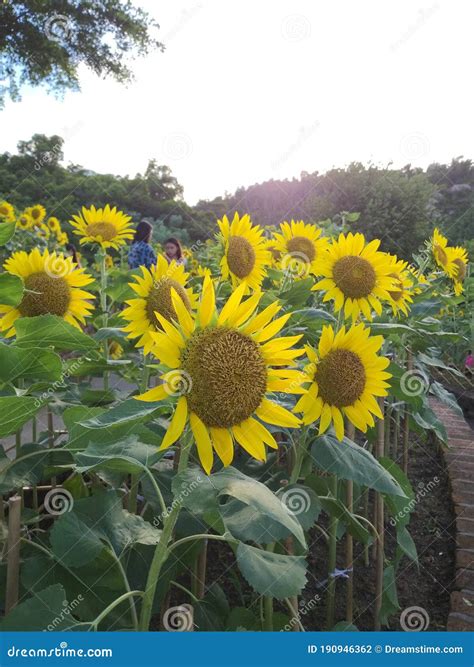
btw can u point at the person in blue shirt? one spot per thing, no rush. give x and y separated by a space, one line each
141 253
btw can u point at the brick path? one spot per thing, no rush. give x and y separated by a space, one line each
460 461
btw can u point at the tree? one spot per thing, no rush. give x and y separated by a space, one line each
42 42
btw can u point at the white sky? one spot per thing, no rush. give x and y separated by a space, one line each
249 90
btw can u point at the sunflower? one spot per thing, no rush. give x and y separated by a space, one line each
203 271
457 263
419 279
345 375
106 226
37 213
24 221
42 230
439 244
62 238
154 296
245 254
52 285
401 293
356 275
221 368
7 212
115 350
54 225
299 246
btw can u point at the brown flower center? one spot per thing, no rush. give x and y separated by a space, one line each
340 377
228 376
397 291
240 256
302 248
46 295
106 230
159 299
355 276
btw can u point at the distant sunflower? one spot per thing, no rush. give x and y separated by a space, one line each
62 238
356 275
106 226
115 350
300 247
7 212
420 281
52 286
245 254
24 222
203 271
457 263
154 296
402 290
37 213
42 230
222 366
53 224
439 244
345 375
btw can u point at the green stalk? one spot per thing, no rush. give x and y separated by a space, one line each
268 604
111 607
331 591
162 548
133 610
103 306
134 478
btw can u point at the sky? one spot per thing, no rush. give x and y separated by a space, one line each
249 90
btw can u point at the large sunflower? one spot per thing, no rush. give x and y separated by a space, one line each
299 247
402 291
154 296
356 275
345 375
245 253
221 367
106 226
52 286
7 212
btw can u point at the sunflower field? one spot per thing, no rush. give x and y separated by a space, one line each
191 446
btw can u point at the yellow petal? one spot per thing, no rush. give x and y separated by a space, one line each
208 302
155 394
253 446
275 414
203 442
177 424
223 444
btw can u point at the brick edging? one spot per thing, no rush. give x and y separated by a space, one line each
459 460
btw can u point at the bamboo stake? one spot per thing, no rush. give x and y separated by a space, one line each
350 433
331 589
293 600
13 553
406 423
379 525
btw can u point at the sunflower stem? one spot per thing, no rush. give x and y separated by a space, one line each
379 526
162 548
268 602
350 433
331 590
103 306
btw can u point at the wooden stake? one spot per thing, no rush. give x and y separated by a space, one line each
13 553
406 422
379 525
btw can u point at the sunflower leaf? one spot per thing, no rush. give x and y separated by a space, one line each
51 330
7 230
277 575
11 289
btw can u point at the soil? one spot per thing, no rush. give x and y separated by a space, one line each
427 585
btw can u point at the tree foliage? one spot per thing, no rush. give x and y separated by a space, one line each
44 41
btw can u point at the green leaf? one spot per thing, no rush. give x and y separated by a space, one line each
51 330
428 421
16 411
398 507
7 230
128 456
78 536
337 509
35 362
350 461
423 358
276 575
126 414
31 467
231 482
45 609
446 397
406 543
302 502
11 289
